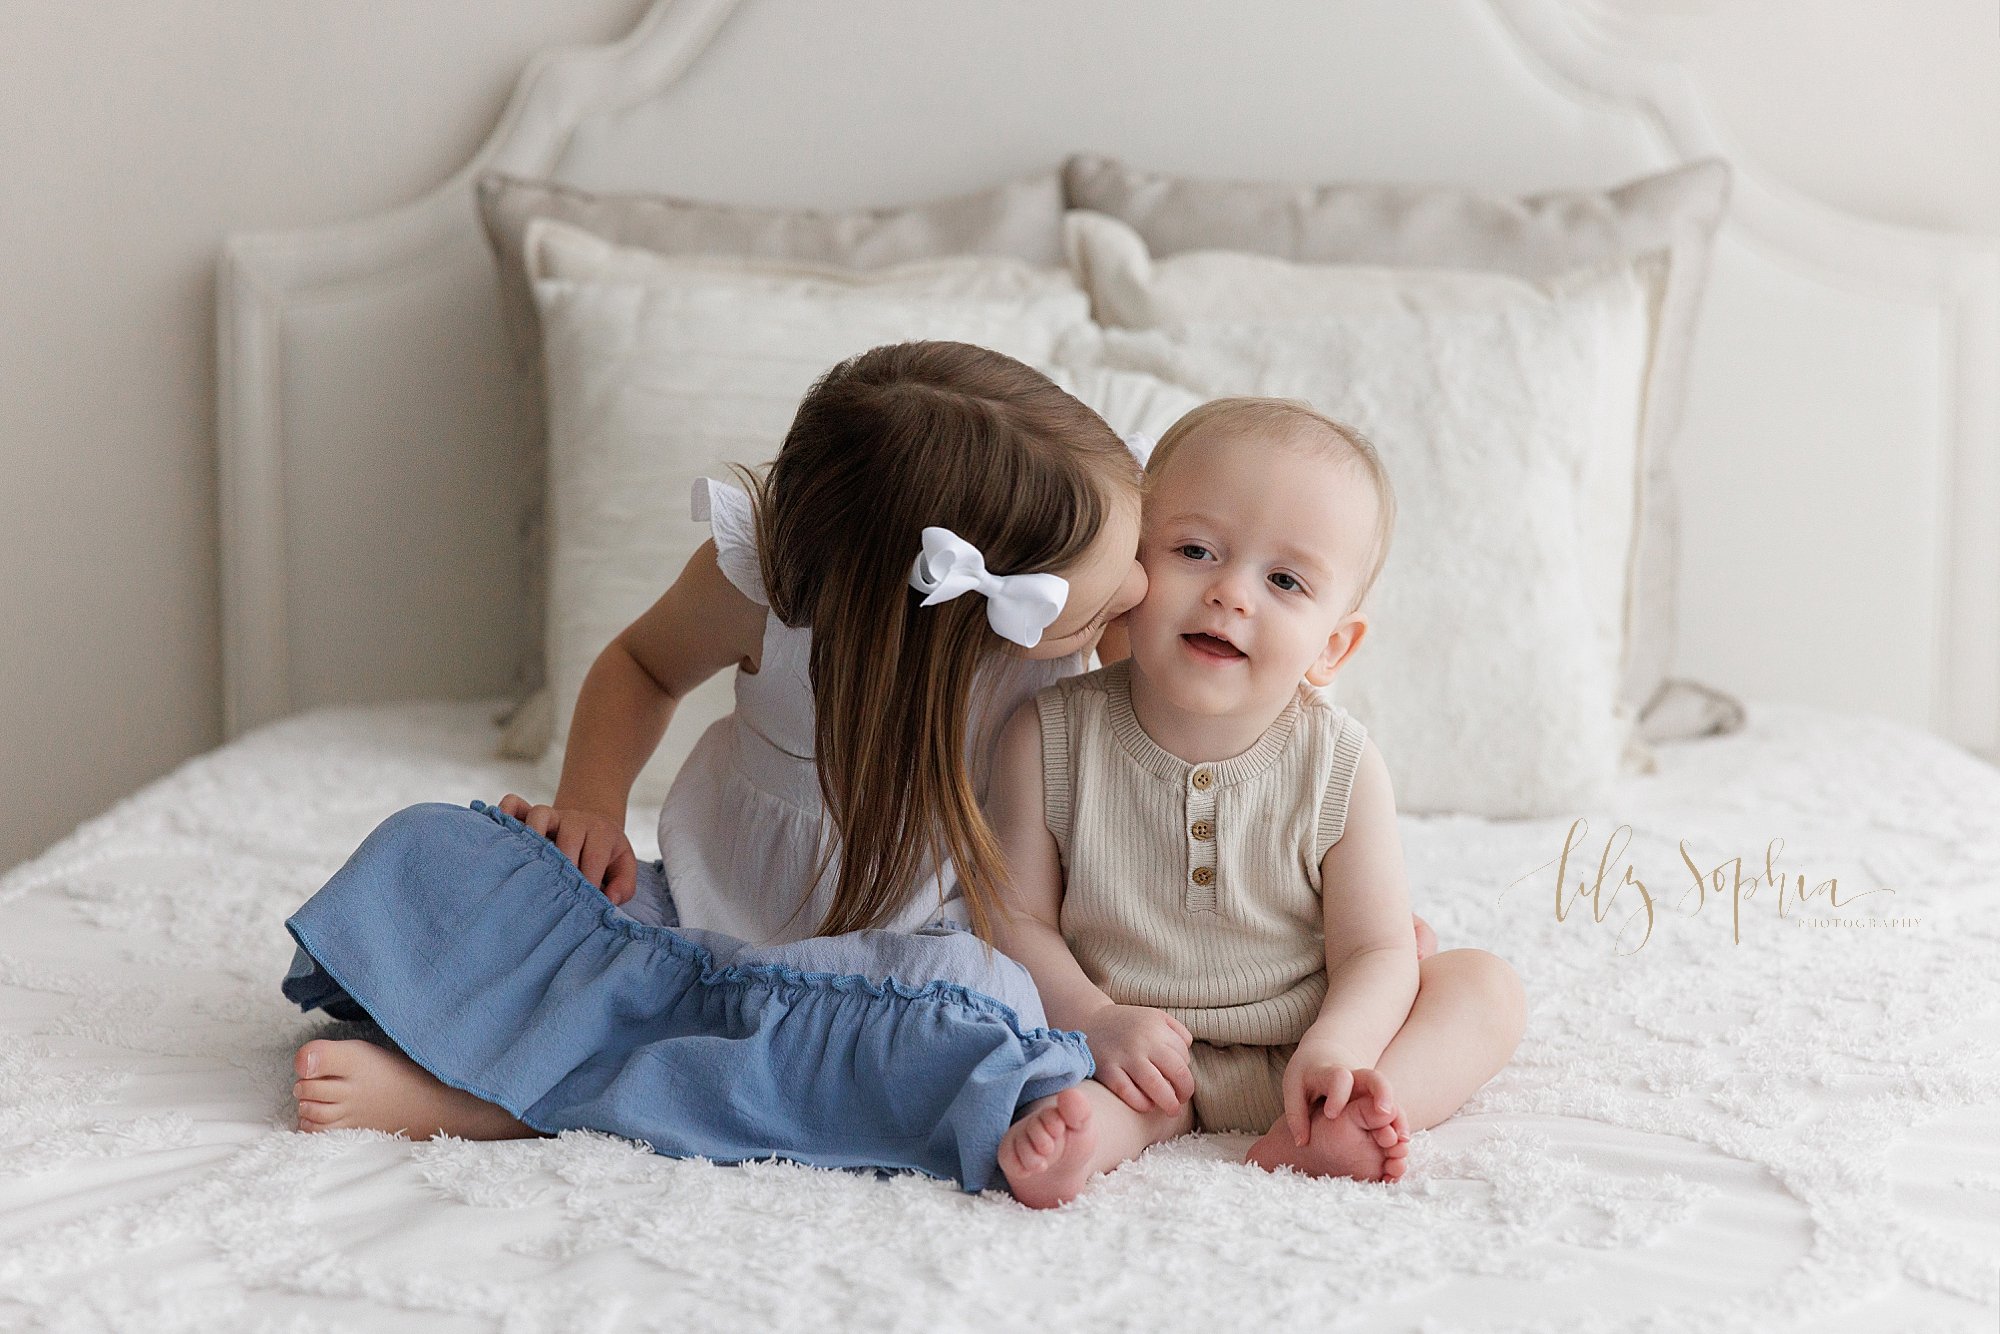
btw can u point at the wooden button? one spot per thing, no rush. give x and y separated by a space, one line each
1202 830
1202 780
1203 875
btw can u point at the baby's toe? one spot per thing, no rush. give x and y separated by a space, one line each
1384 1136
1014 1154
1034 1142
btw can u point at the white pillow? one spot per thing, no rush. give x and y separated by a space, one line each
1671 215
1507 412
661 369
1138 406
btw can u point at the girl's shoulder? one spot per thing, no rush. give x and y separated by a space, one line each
733 521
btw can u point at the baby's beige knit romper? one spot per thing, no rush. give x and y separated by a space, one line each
1195 888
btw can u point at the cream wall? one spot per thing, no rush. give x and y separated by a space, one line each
133 136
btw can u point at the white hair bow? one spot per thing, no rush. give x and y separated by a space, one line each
1018 606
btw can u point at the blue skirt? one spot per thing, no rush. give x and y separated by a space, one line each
482 952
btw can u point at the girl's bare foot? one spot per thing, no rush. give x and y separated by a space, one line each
1368 1140
1047 1155
1053 1151
360 1086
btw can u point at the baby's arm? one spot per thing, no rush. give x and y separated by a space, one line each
699 626
1371 969
1141 1052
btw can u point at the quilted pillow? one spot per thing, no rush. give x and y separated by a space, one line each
1672 215
661 369
1020 218
1508 413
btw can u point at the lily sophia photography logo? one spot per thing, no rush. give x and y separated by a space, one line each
1593 893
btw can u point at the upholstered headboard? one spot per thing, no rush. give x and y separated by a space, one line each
1840 459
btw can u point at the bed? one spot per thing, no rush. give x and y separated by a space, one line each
1797 1130
1753 1110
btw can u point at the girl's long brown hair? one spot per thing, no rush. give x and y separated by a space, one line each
887 443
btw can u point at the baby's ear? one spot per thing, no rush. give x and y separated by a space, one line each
1340 646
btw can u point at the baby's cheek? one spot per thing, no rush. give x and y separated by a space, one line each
1145 614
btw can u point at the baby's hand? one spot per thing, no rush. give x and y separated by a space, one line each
1141 1055
595 842
1317 1073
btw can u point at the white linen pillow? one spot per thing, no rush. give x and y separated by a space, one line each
661 369
1134 403
1129 288
1021 218
1671 215
1508 413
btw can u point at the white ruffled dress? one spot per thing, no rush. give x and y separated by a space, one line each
741 827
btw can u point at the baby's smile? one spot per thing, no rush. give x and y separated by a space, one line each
1213 648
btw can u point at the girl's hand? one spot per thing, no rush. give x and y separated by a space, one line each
595 842
1142 1056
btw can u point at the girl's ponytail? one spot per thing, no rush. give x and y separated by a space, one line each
887 443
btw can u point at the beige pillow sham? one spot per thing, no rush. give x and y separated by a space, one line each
1673 214
1020 219
662 369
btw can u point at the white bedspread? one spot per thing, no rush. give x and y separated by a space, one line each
1794 1129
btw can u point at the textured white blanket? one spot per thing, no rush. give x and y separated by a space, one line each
1751 1121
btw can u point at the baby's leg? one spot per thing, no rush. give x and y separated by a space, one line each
1062 1141
1468 1017
360 1086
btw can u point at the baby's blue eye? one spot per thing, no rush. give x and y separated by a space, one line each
1291 584
1196 547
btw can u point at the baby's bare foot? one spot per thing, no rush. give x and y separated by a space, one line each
1368 1139
1427 939
360 1086
1046 1155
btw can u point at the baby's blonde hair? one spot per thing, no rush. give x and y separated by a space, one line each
1288 421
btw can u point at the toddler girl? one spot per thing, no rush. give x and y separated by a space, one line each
943 533
1206 876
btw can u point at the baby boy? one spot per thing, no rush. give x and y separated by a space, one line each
1205 872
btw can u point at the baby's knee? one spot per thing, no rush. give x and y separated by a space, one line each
1505 1000
1490 983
